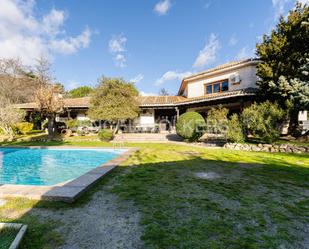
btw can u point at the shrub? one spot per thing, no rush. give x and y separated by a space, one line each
106 135
190 126
23 127
73 123
263 120
235 132
217 120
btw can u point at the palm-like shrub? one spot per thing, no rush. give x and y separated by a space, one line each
190 126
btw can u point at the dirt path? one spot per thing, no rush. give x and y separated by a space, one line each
104 222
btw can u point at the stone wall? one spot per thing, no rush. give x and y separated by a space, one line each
286 148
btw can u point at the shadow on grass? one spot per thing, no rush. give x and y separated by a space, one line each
258 203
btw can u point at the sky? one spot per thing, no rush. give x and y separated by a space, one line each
154 43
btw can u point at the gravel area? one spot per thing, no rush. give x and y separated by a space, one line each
104 222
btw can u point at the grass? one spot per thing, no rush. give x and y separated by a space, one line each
7 236
261 200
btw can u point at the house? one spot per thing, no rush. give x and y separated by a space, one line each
232 85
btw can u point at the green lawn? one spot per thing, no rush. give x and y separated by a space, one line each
7 236
258 200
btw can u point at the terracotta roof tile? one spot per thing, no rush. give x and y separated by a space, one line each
153 100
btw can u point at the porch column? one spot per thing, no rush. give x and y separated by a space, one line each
177 113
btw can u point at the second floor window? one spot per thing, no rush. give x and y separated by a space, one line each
217 87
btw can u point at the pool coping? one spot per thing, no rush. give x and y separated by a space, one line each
67 191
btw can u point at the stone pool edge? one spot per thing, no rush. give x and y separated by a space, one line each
69 191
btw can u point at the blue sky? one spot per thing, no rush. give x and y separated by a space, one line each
153 42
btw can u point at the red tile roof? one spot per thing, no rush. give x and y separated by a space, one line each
153 101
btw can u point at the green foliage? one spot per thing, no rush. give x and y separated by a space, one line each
23 127
263 120
217 120
190 126
235 132
105 135
79 92
73 123
45 124
114 100
284 67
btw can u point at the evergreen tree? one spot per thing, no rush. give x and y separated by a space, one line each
283 71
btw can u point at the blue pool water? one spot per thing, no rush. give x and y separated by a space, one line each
49 166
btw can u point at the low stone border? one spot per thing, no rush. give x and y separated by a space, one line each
21 232
68 191
286 148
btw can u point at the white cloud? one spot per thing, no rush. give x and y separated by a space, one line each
279 7
117 44
162 7
209 53
72 44
120 60
53 21
171 75
26 36
245 53
137 78
142 93
117 47
304 1
233 41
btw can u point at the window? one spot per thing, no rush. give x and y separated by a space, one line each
208 89
217 87
225 86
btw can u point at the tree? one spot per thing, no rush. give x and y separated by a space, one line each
9 116
284 66
16 83
49 101
163 92
79 92
263 120
114 100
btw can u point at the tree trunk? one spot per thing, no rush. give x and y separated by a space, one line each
293 124
51 127
116 128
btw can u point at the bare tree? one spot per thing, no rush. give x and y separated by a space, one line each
163 92
8 117
48 100
16 83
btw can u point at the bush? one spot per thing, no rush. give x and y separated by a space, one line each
217 121
105 135
263 120
73 123
23 127
235 130
190 126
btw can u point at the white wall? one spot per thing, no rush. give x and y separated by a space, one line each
146 119
246 74
82 117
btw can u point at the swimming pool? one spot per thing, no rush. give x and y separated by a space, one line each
50 166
